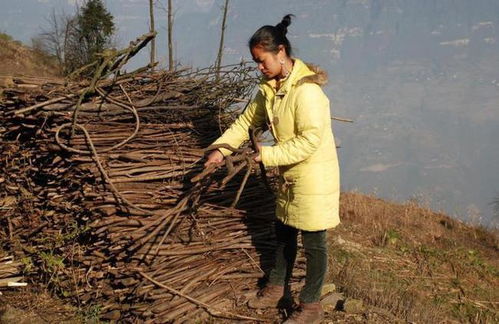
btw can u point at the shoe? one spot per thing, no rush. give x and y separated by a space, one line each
268 297
310 313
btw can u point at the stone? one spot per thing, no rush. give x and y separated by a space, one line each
7 82
112 315
339 240
328 288
353 306
332 299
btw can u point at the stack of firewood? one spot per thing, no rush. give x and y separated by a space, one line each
108 201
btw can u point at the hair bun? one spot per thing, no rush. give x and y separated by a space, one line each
285 22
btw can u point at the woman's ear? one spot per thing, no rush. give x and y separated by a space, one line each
281 51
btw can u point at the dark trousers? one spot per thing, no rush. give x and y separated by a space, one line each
315 246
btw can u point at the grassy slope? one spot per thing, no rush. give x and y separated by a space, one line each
419 265
19 60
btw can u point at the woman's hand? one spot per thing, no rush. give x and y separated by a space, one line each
214 157
258 155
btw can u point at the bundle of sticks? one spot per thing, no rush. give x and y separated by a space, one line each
110 202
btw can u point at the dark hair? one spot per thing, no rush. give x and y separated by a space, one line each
270 37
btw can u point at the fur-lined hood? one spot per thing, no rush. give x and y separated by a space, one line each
319 77
302 73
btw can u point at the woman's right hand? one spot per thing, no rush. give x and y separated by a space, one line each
214 157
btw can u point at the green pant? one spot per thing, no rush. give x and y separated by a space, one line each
315 246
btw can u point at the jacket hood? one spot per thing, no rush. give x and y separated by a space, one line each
302 73
319 77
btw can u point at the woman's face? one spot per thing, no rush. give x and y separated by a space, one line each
268 63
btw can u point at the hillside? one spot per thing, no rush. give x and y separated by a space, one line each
394 262
17 59
422 266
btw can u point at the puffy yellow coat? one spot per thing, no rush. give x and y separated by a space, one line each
298 116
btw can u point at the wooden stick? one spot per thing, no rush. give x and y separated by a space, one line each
208 308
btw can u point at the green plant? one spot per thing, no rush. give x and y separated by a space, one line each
6 37
95 26
342 256
91 314
28 265
390 237
77 40
51 263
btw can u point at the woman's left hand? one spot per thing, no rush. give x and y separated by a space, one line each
258 155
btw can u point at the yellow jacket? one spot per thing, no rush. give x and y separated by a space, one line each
299 118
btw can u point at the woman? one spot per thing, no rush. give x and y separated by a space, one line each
296 111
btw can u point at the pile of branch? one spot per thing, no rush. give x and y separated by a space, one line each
109 202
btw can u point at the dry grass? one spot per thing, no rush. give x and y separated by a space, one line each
419 265
19 60
34 305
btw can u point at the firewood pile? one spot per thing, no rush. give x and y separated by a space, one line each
105 197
